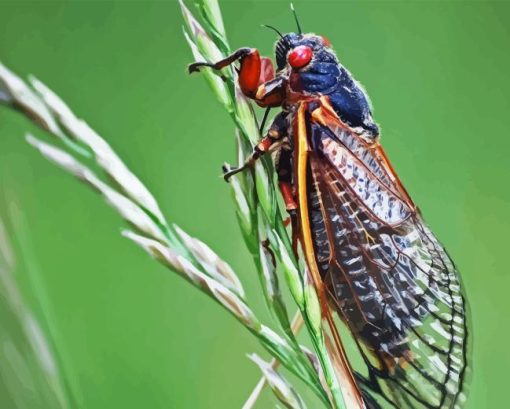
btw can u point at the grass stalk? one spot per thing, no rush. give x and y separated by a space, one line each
206 47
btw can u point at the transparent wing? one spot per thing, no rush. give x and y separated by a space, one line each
390 280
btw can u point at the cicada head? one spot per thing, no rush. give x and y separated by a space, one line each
309 63
297 51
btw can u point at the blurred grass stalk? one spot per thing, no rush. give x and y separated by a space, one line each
31 367
259 213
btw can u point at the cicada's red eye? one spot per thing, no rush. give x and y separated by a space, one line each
300 56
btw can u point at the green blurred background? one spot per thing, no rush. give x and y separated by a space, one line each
134 335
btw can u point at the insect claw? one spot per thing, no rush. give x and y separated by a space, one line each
237 55
195 67
229 172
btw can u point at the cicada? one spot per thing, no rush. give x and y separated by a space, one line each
383 271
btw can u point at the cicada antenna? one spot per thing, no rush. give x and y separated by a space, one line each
274 29
296 18
277 32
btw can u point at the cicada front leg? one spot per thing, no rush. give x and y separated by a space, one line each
256 76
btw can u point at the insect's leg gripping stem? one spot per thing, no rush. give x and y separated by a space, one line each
272 140
254 71
260 149
232 58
